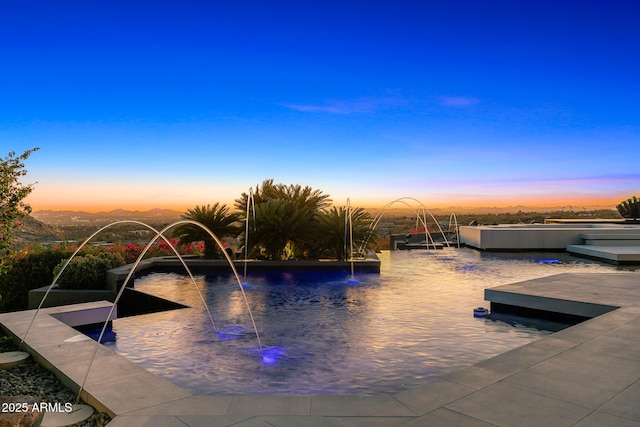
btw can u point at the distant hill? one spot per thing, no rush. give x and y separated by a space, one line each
69 225
167 216
400 209
33 231
69 217
523 208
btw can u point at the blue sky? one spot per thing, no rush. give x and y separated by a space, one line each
457 103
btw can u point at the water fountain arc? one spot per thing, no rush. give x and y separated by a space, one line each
422 219
454 220
251 204
132 271
379 216
349 223
81 412
57 277
425 209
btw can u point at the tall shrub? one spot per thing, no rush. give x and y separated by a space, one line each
12 195
88 271
28 269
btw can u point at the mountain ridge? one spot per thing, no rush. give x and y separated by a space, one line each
76 217
164 215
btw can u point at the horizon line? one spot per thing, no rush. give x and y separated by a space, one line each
542 208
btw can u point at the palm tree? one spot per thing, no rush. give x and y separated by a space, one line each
284 214
303 197
629 208
334 233
278 222
216 218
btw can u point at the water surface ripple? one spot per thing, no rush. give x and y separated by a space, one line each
388 332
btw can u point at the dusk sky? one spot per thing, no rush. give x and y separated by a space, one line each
456 103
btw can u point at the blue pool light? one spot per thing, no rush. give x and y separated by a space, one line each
232 332
547 261
468 267
224 336
269 359
270 355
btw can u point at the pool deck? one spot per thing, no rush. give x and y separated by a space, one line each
586 375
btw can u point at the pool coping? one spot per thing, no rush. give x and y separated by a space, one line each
541 383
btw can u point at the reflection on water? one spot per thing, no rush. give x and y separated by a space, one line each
325 335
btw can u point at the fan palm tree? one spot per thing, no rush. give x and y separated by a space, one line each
629 208
216 218
305 197
335 231
284 214
278 222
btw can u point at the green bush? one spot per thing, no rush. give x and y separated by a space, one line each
88 271
25 270
35 267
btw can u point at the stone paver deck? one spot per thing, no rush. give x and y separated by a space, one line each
586 375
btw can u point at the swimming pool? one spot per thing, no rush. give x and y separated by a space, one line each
385 333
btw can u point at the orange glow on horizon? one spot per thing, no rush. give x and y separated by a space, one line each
575 203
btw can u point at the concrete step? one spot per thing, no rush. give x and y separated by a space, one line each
615 254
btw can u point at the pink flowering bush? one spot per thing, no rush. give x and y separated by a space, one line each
35 267
89 268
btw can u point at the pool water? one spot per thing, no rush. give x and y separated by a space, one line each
326 334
